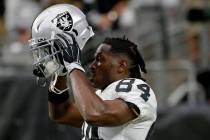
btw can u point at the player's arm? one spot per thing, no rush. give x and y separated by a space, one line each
93 109
61 107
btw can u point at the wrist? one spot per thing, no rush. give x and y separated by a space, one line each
73 66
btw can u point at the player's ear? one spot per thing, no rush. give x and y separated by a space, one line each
123 66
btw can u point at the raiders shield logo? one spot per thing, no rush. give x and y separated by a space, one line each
64 21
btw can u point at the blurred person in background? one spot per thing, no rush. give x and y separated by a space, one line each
19 22
77 3
198 36
2 26
104 15
110 14
117 104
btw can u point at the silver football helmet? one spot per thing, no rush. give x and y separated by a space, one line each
56 20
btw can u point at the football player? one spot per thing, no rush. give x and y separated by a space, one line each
117 104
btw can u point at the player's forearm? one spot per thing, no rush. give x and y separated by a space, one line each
88 103
65 113
60 103
57 111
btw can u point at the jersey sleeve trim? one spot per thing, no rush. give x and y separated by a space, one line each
134 108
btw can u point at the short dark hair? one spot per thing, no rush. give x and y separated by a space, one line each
123 46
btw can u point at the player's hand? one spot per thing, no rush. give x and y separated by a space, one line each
62 71
71 52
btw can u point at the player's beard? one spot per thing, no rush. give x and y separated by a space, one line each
91 77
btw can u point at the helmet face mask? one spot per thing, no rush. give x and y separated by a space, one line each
45 55
56 19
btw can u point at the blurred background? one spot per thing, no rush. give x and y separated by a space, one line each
172 35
